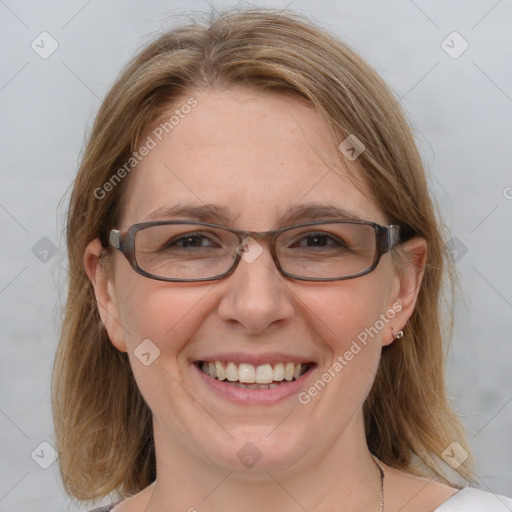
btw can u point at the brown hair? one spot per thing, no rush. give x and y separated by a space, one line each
103 426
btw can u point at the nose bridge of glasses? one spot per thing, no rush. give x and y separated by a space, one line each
252 244
258 236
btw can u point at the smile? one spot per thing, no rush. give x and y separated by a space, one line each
249 376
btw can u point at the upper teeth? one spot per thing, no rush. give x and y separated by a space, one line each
262 374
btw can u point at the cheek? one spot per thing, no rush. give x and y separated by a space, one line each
167 314
340 316
160 319
347 311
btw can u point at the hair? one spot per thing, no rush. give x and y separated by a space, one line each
103 426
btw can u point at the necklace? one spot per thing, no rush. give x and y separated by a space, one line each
381 484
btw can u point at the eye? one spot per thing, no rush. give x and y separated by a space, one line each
319 239
191 241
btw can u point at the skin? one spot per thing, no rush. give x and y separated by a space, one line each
257 155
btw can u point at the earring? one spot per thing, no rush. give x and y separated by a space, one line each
398 335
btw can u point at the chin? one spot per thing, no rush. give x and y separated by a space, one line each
254 451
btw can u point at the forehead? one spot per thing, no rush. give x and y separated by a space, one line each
254 155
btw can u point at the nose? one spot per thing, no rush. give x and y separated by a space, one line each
257 296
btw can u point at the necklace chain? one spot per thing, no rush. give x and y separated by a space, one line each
381 487
381 484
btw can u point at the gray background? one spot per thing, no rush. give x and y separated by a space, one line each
461 110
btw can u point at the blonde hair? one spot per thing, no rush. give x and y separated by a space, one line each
103 426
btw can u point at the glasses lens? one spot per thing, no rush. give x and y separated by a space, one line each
185 251
327 251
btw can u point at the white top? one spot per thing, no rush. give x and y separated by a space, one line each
475 500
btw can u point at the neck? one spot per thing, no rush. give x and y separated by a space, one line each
342 476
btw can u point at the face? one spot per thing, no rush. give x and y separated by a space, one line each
255 156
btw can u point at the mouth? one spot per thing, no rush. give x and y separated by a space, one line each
249 376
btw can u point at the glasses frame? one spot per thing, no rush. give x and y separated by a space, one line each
387 237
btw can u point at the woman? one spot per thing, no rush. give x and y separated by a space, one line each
253 317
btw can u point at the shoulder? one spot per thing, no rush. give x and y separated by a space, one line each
475 500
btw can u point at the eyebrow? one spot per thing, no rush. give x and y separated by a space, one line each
203 213
219 215
315 211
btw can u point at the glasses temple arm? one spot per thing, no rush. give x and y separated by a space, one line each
115 238
394 237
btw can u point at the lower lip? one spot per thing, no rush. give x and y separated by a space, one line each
255 396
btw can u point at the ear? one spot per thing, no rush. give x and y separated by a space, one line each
105 294
407 286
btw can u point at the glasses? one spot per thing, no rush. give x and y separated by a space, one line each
189 251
